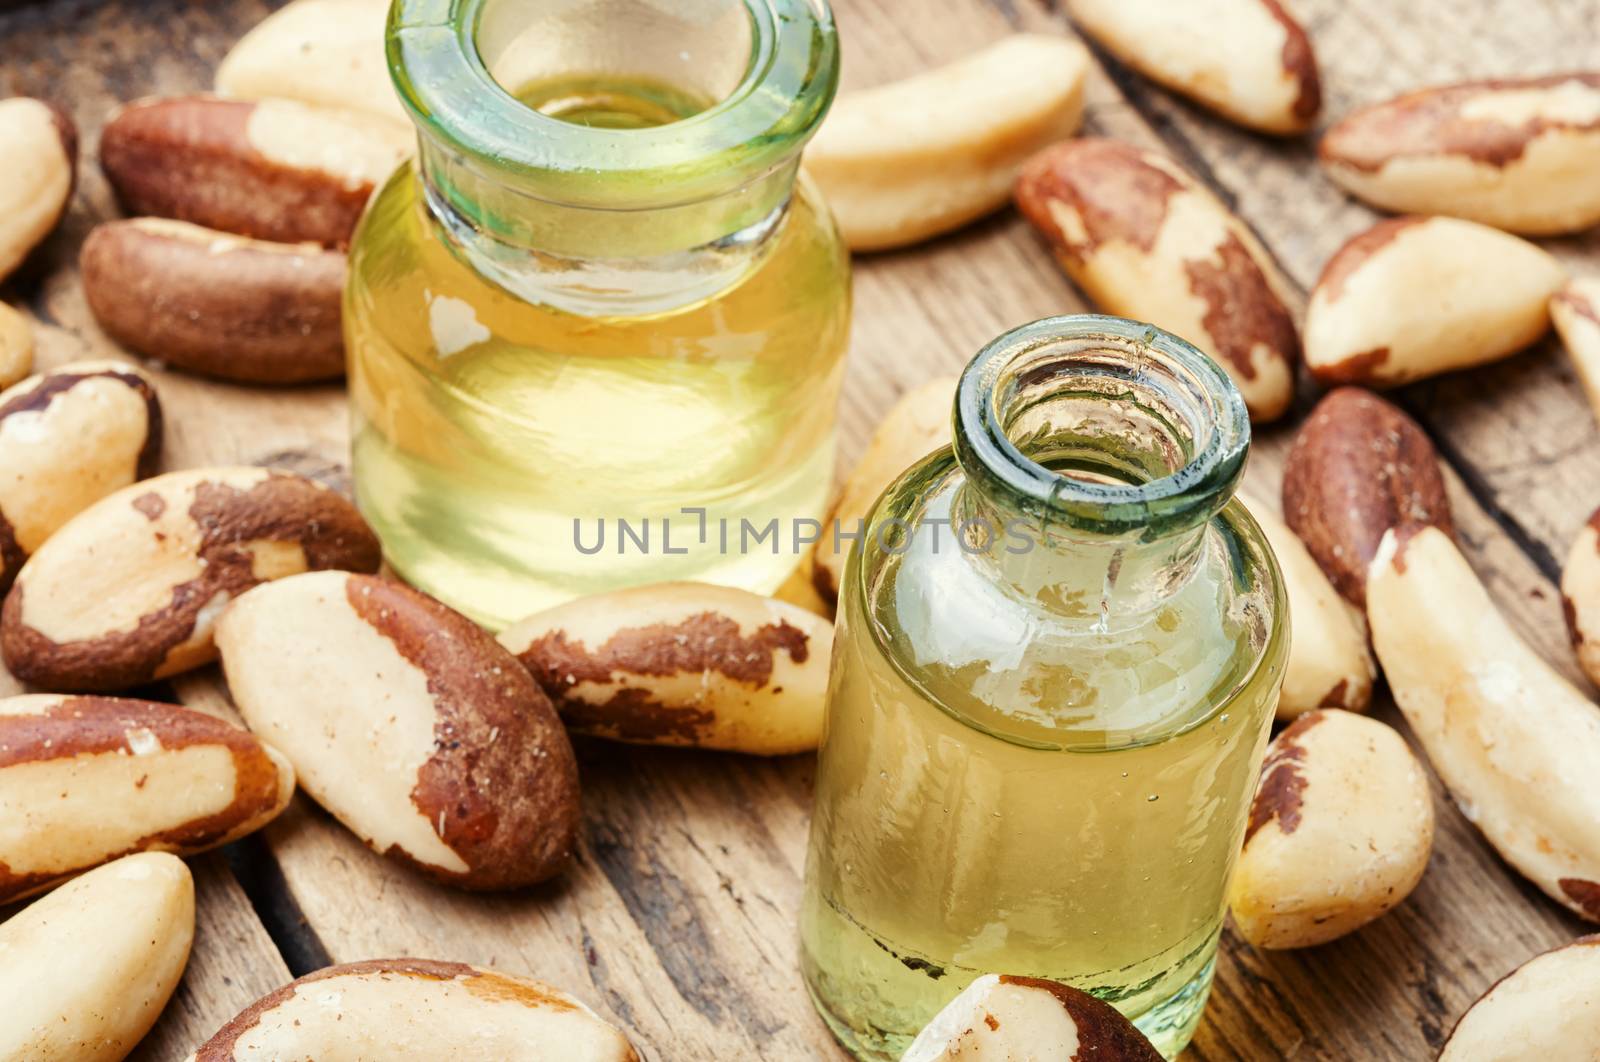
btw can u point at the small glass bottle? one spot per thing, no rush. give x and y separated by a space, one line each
1059 649
598 297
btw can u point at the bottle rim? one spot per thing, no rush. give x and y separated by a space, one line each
1205 408
444 83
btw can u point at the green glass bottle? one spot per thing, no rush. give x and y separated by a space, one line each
1059 650
600 294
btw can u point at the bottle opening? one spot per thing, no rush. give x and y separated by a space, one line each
625 105
1102 425
611 157
618 64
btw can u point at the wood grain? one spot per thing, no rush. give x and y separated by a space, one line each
678 919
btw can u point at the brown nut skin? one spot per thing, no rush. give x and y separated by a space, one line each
1247 60
409 723
217 304
129 590
70 437
1001 1016
1543 1009
1358 467
1514 153
1145 240
685 664
271 169
1340 831
85 780
416 1009
1412 297
39 144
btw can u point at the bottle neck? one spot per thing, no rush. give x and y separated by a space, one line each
1082 580
600 261
611 156
1095 451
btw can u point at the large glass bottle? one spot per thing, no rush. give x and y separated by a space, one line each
1059 650
598 297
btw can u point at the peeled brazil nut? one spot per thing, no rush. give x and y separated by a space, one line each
409 723
915 426
16 346
39 144
416 1009
1514 742
682 664
890 182
1330 664
1247 60
1413 297
1575 311
89 967
1543 1009
217 304
70 437
84 780
1358 467
1000 1017
130 589
1340 831
1145 240
327 52
1517 154
1580 597
269 169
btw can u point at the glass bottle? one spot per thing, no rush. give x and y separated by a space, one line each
1059 649
598 323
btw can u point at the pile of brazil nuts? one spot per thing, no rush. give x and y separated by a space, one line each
233 265
433 742
241 203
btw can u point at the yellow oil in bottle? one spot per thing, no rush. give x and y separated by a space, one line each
1073 815
500 444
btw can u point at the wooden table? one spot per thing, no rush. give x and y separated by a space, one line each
678 919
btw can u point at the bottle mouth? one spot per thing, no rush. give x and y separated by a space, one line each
452 61
1102 426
